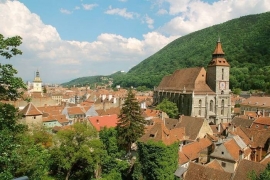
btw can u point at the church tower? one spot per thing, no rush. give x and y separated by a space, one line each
218 71
37 83
217 78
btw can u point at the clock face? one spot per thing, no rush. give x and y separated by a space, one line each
222 85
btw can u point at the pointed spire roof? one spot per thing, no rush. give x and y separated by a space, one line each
218 56
218 49
37 77
30 110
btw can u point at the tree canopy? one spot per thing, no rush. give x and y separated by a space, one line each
131 122
169 108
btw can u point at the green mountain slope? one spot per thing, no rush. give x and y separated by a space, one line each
245 41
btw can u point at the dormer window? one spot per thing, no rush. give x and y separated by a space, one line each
152 135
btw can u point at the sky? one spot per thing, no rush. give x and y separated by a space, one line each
68 39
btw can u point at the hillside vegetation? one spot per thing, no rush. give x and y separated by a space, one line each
245 41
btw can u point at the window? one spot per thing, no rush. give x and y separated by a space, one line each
222 107
222 152
212 105
222 74
200 107
223 164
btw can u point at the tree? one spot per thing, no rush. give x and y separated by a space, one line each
168 107
77 153
265 175
8 46
156 161
10 85
112 165
131 122
9 90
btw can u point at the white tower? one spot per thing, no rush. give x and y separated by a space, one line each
37 83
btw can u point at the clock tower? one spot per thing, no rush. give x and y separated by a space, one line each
37 83
218 72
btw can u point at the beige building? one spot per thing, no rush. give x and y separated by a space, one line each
31 116
199 93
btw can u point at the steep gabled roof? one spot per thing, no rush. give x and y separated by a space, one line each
30 110
192 126
215 165
192 150
159 132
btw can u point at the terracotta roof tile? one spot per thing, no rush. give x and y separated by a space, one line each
200 172
192 126
159 132
237 121
215 165
232 148
189 79
255 101
30 110
262 120
192 150
100 122
245 167
75 110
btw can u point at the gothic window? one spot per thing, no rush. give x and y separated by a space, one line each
212 105
222 107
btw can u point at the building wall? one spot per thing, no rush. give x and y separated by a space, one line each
51 124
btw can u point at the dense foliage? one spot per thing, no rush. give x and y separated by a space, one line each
265 175
245 42
156 161
131 122
170 108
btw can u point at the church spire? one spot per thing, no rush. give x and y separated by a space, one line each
218 56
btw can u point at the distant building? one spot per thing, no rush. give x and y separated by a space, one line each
199 93
37 83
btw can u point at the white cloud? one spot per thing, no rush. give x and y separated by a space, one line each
77 7
59 60
89 6
65 11
123 0
162 11
121 12
194 15
149 21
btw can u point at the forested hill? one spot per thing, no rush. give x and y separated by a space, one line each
245 41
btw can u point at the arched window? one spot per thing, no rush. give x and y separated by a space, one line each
222 74
211 105
222 107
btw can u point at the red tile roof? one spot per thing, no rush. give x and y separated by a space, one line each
30 110
262 120
103 121
215 165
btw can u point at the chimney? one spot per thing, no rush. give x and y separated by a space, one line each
180 147
241 154
97 121
219 128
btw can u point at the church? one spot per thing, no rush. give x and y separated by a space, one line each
200 93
